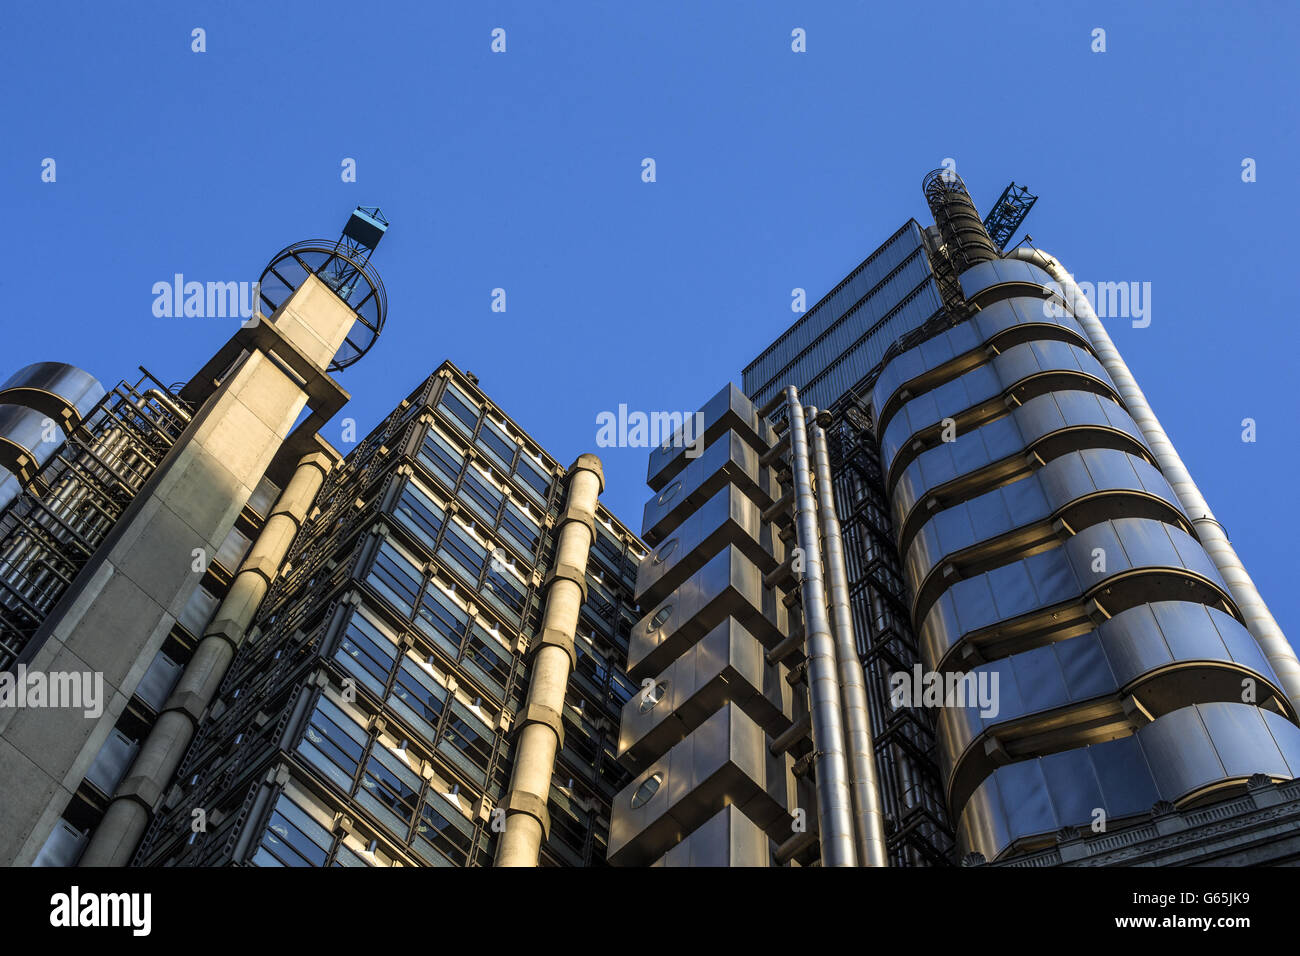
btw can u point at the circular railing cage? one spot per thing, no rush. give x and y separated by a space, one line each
345 269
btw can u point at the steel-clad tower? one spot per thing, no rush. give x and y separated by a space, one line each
1065 661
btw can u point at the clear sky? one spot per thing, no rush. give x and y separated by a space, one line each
522 170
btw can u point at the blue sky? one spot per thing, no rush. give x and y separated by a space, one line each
775 169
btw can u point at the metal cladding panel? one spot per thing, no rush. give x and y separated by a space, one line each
1176 639
727 665
1061 482
1175 757
1001 278
728 518
1001 375
1003 438
729 409
1060 575
729 459
995 321
730 584
722 762
23 445
53 388
728 839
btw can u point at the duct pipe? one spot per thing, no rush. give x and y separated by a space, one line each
527 821
1259 620
834 804
869 821
127 816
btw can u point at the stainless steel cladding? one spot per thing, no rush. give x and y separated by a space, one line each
63 392
1071 605
711 786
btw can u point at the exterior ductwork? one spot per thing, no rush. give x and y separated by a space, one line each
1259 620
869 825
63 392
834 803
542 729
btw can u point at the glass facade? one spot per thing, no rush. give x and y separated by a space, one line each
837 342
367 720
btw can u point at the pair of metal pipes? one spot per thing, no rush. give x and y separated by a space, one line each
850 821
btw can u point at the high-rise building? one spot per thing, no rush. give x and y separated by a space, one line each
1065 661
931 587
411 655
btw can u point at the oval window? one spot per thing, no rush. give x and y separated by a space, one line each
646 791
652 695
667 494
661 615
665 549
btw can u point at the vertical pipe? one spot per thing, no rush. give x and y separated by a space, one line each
127 817
527 822
869 823
1259 620
834 803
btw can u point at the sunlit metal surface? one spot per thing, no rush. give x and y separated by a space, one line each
1002 278
63 392
934 361
1091 562
1078 488
977 394
1168 655
1196 751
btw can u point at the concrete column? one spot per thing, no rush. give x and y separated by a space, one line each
124 823
1259 620
116 614
527 821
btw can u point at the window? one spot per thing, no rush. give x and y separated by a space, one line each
463 411
418 697
333 743
522 530
507 592
420 514
493 440
465 554
487 659
396 577
368 652
441 833
441 619
292 838
535 480
442 457
390 790
470 738
479 494
646 791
